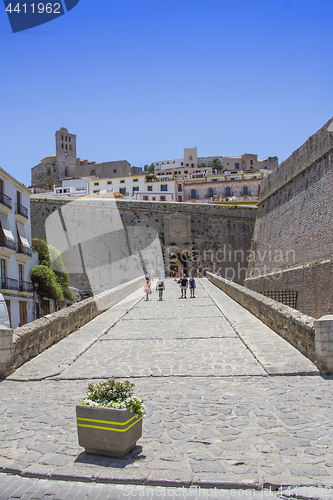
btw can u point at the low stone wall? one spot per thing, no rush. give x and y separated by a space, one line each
311 337
19 345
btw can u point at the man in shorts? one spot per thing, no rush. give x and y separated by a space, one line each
183 286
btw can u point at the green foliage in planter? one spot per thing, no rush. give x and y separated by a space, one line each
113 394
47 282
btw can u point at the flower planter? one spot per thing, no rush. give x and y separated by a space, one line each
107 431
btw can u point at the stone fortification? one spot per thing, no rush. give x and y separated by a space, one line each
293 240
217 237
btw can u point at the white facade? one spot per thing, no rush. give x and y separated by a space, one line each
141 187
16 257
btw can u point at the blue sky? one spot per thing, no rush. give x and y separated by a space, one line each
142 80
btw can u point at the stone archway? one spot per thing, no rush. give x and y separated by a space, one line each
178 264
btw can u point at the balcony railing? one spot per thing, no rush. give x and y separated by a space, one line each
9 284
4 242
25 250
5 200
21 210
25 286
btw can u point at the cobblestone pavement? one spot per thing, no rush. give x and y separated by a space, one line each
215 414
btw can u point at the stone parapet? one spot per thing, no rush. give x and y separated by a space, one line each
313 338
19 345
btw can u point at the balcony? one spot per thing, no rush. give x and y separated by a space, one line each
6 243
25 286
24 250
21 210
9 284
12 284
5 200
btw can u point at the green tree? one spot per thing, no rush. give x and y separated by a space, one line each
216 164
145 168
151 168
49 182
51 274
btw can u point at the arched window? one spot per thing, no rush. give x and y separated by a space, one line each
66 172
92 172
48 171
228 191
245 190
193 194
210 193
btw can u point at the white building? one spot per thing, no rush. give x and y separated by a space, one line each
16 257
142 187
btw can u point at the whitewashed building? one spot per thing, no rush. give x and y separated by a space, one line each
142 187
16 257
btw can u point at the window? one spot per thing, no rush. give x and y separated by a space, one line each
210 193
65 137
164 187
62 137
66 172
145 198
96 183
182 164
1 186
162 198
62 145
70 147
149 188
3 273
237 166
92 172
109 182
193 194
192 165
66 146
66 190
185 171
69 139
154 198
109 190
187 164
122 190
245 190
48 171
228 191
191 158
135 180
251 162
135 188
115 171
122 181
58 191
96 191
179 188
20 274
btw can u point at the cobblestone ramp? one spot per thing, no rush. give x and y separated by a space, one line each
215 416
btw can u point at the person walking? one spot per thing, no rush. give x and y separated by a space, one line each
192 287
183 286
147 290
160 287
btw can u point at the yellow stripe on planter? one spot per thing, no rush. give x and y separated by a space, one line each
105 421
107 428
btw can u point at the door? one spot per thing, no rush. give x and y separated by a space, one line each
8 308
23 313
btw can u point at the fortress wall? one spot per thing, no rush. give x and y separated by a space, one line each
220 236
293 238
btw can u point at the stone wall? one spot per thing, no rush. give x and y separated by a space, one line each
292 244
19 345
220 237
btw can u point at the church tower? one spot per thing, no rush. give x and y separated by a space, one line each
65 153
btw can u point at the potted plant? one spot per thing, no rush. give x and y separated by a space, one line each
109 418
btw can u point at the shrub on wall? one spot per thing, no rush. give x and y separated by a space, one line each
51 274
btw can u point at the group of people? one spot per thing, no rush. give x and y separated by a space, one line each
159 286
184 282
